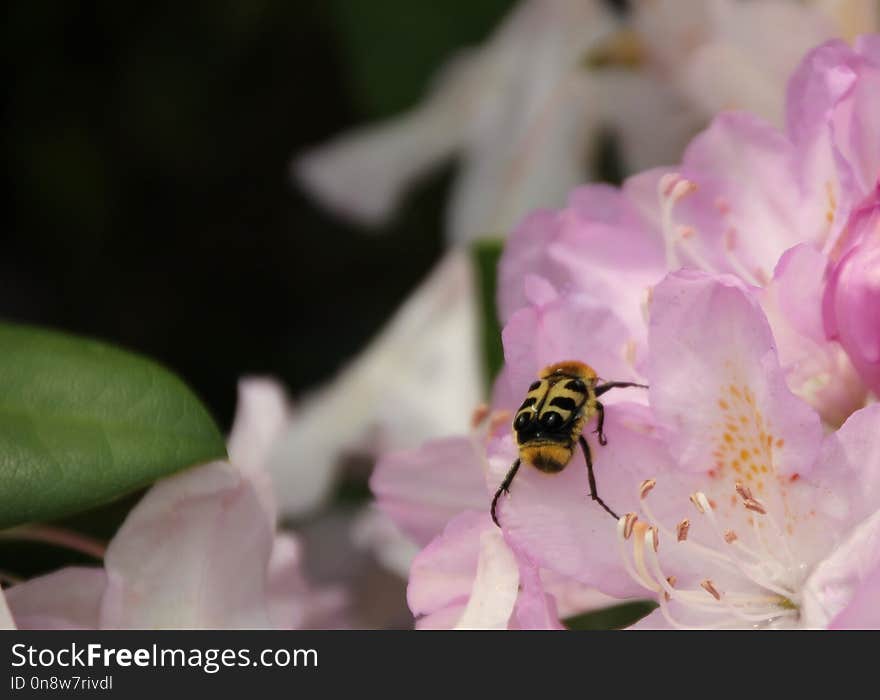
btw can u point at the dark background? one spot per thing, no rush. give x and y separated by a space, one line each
147 148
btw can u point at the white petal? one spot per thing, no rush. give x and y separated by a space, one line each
66 599
495 588
193 553
418 379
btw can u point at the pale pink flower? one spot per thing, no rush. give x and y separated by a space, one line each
746 514
418 378
520 112
467 575
729 54
200 550
743 195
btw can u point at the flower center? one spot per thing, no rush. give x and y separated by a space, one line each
735 583
671 190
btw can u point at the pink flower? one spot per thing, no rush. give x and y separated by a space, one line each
739 511
200 550
852 298
743 195
467 575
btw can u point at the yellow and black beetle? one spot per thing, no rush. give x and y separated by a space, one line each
551 420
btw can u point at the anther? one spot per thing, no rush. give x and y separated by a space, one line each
756 506
709 587
695 499
671 581
682 528
655 538
730 536
646 486
629 522
744 491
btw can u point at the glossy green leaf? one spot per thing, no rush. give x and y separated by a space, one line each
614 618
82 423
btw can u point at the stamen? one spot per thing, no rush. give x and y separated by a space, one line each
730 536
730 241
681 530
756 506
646 486
655 539
744 491
710 588
696 501
629 522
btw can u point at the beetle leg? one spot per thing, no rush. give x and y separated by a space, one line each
593 491
600 423
504 488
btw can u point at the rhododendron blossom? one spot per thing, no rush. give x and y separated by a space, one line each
743 195
738 511
741 287
468 575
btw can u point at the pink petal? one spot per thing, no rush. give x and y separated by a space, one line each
442 575
863 611
747 206
847 574
816 369
524 254
66 599
599 245
847 473
716 384
535 608
852 300
192 554
551 519
832 111
422 489
571 327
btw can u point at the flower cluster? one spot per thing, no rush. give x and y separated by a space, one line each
743 287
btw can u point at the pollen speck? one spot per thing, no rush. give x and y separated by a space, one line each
780 442
723 404
794 477
728 438
744 454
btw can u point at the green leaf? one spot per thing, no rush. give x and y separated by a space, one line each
614 618
82 423
486 254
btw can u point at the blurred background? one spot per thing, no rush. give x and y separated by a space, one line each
148 150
